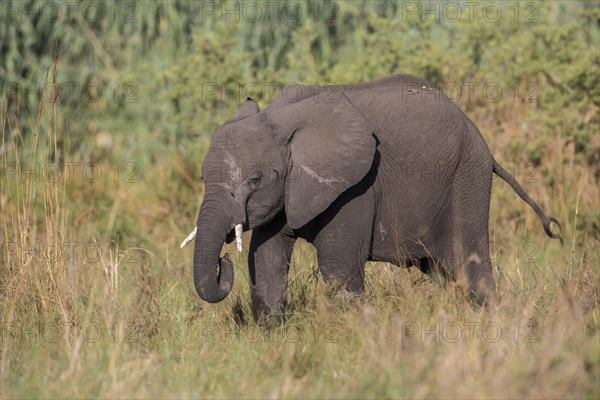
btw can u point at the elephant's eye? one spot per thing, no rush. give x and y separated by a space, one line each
255 179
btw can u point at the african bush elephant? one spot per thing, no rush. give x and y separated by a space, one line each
389 170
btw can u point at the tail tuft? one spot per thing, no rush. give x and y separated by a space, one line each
549 231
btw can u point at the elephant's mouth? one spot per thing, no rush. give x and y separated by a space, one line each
235 233
231 235
261 213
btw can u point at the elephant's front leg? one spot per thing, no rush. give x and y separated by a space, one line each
344 244
268 263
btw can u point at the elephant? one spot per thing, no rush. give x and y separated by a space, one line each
390 170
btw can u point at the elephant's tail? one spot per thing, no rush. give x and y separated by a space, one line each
508 178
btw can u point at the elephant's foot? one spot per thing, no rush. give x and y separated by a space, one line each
266 314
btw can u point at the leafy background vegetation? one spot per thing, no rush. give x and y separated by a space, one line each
96 299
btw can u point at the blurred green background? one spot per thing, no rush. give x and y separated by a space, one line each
158 64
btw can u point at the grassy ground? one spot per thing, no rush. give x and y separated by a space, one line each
85 312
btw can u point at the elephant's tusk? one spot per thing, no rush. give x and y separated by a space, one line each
238 236
190 237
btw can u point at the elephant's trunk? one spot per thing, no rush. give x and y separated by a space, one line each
214 222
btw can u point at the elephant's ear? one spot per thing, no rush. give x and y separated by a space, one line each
250 107
331 149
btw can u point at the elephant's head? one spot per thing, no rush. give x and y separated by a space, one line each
296 158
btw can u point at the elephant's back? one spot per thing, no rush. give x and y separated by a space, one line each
423 138
412 118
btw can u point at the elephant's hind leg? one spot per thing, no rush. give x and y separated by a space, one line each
468 259
475 275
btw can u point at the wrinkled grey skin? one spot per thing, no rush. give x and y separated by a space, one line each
390 171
